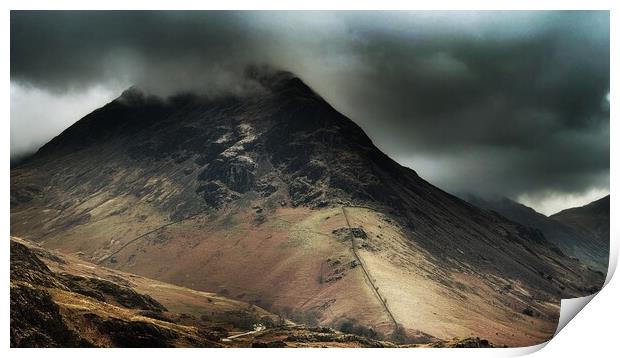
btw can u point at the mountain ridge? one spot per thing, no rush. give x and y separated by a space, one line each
591 219
581 244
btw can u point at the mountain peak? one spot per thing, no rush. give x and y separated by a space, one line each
228 143
279 81
132 94
599 206
267 74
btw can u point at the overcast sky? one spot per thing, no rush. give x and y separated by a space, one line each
503 103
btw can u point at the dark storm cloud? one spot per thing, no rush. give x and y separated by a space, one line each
509 102
65 50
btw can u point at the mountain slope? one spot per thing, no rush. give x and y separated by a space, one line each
276 198
591 220
586 243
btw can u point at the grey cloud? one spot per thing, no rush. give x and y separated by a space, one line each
510 102
38 115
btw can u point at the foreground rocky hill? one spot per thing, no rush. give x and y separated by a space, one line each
278 200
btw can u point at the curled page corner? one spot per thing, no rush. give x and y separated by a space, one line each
522 351
569 308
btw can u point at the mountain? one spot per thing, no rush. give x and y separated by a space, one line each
276 199
591 220
587 243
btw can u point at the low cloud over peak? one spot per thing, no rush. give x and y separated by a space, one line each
509 102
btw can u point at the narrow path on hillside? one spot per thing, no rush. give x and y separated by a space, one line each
366 273
146 234
257 329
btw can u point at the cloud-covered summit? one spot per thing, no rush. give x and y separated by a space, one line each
514 103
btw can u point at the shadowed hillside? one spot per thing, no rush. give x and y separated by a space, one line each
589 243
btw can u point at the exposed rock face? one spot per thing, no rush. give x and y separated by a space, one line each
26 266
132 334
233 166
36 320
106 291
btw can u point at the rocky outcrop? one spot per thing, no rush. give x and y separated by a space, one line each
40 317
36 321
109 292
474 342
